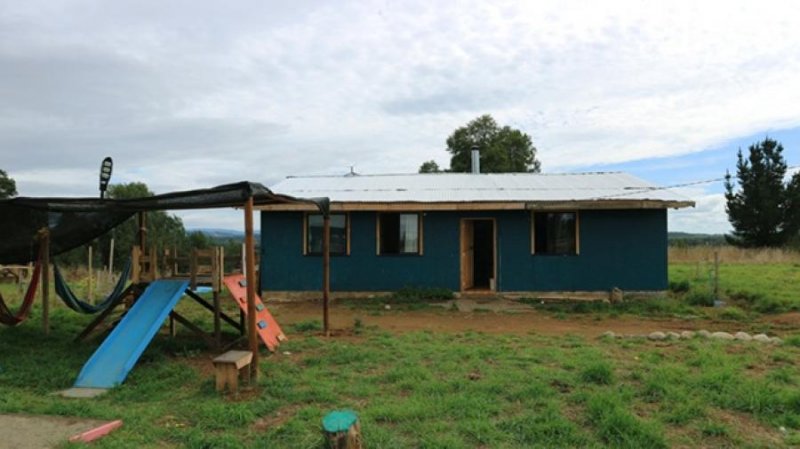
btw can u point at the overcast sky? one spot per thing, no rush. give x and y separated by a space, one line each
187 94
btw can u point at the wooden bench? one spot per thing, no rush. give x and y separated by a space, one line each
228 366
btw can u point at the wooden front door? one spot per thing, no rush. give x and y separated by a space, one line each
467 254
478 254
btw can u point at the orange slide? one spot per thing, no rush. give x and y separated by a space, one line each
268 329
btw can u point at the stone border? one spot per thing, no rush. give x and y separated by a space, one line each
688 335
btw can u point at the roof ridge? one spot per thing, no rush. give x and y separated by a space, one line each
377 175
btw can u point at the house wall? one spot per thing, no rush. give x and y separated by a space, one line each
618 248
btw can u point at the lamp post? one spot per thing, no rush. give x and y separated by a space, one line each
105 175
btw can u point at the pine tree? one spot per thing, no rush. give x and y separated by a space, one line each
764 211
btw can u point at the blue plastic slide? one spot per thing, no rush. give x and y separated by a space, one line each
111 362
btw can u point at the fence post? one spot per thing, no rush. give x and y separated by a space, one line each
716 275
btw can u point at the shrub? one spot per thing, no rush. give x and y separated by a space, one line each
601 373
771 305
746 297
679 286
792 340
733 313
413 294
619 428
306 326
700 298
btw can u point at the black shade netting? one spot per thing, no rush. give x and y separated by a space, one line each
73 222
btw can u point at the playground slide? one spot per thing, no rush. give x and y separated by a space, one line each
111 362
268 329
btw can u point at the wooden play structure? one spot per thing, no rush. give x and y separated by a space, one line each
51 226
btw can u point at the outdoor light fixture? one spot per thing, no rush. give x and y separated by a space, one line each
105 175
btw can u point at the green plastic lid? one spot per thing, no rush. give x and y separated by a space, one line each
339 420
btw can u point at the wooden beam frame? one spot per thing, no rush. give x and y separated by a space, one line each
250 275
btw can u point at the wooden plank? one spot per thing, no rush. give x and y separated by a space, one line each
192 327
237 358
210 307
130 290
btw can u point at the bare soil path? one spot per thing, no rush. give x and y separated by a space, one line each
41 432
517 321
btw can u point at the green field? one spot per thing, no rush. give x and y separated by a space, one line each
764 288
444 389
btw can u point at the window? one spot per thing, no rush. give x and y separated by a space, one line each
398 234
555 233
314 232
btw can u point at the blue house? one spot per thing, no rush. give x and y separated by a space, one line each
505 233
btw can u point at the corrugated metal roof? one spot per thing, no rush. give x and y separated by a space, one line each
467 187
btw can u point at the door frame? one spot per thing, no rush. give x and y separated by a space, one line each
466 277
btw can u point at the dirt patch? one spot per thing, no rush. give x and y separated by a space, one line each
41 432
747 428
275 419
519 322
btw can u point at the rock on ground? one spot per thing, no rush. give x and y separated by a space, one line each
704 333
673 335
688 335
657 336
608 334
744 336
722 336
762 338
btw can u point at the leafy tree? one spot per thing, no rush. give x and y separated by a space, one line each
502 150
163 230
429 167
765 211
8 188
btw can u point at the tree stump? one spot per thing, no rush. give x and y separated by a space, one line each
342 430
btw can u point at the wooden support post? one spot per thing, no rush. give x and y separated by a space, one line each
154 273
111 260
193 269
716 275
342 430
142 234
45 242
217 273
136 265
250 274
326 272
244 263
91 287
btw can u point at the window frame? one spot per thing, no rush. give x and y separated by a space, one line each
306 251
420 246
577 232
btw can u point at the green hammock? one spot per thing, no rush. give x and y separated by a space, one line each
72 301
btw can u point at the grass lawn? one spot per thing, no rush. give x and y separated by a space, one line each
461 389
427 390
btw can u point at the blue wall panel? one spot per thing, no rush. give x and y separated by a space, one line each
618 248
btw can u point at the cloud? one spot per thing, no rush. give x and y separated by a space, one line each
190 94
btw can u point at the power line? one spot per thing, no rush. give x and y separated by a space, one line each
635 190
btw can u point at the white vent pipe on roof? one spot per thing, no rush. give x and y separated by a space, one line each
476 160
